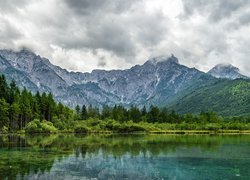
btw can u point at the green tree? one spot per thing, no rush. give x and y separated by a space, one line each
25 106
3 87
13 91
153 114
4 114
84 113
14 113
77 109
50 107
134 114
93 112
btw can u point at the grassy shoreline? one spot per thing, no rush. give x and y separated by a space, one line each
202 132
96 126
167 132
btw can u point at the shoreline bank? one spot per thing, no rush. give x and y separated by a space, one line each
167 132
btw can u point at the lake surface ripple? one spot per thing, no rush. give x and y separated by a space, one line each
125 157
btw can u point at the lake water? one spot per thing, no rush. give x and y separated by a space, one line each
125 157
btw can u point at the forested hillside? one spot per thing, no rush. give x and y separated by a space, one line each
226 97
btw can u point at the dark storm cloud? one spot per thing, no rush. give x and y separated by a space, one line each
112 37
239 21
87 34
215 9
121 36
87 7
93 24
222 27
118 34
11 5
151 30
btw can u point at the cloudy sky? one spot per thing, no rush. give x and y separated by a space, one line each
82 35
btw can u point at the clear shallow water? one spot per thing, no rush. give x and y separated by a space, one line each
125 157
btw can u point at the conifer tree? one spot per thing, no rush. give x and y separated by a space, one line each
84 114
4 112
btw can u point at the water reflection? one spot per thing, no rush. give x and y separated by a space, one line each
124 157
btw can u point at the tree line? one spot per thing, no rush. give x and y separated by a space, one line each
153 114
19 107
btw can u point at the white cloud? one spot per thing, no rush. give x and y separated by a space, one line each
84 35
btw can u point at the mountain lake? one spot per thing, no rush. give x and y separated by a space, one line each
67 156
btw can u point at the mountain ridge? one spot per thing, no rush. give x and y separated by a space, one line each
131 86
159 81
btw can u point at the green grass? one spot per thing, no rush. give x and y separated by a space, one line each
109 126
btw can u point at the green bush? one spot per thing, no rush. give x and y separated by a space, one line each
112 125
212 126
235 126
81 129
4 130
93 122
58 123
32 127
36 126
129 128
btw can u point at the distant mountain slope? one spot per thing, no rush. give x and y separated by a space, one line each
159 79
226 71
227 97
19 76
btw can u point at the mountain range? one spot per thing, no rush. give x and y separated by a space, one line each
160 81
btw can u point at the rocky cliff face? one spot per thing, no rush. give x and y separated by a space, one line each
157 81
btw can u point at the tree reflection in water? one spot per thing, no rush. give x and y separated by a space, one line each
118 157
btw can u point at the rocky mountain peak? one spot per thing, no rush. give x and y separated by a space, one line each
167 59
23 60
137 85
226 71
26 51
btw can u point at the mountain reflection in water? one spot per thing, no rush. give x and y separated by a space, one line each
124 157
